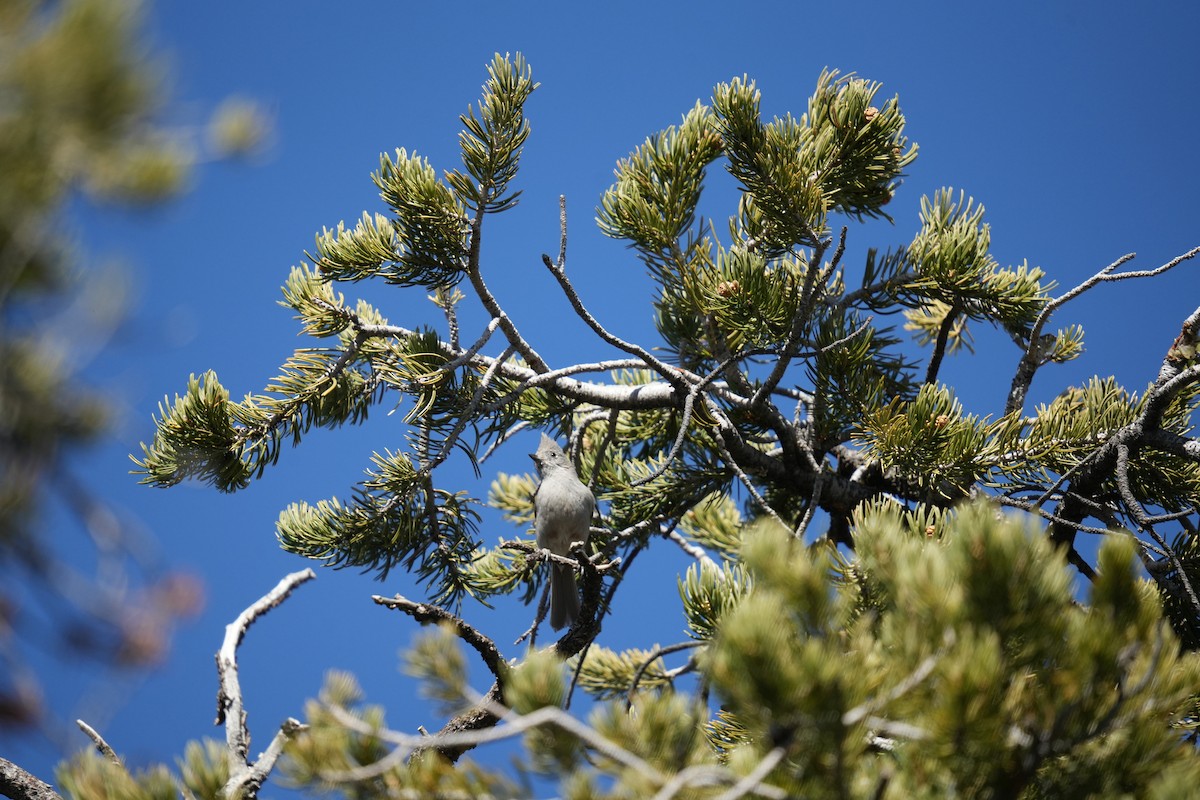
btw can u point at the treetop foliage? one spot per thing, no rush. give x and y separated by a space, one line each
888 611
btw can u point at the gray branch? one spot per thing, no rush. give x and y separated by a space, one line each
247 777
17 784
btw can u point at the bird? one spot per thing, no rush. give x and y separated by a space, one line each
563 507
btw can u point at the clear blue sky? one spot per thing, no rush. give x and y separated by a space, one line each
1074 123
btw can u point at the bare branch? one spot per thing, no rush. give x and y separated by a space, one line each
465 356
689 402
813 503
695 552
104 747
445 299
668 372
658 653
727 427
1183 349
512 725
751 783
246 778
468 415
801 319
914 679
489 301
551 378
1034 507
426 614
17 784
610 435
1028 364
248 784
642 396
562 227
1144 523
939 345
558 270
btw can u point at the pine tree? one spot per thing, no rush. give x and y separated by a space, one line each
892 612
81 127
78 125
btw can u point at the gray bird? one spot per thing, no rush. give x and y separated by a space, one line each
563 506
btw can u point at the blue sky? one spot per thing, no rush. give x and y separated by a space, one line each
1074 123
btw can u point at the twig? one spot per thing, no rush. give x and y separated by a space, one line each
534 553
104 747
670 374
575 675
1028 364
696 552
543 608
254 777
695 387
459 734
558 270
640 397
489 301
865 293
1073 556
553 377
1034 508
899 730
726 424
658 653
914 679
939 345
610 435
510 725
468 415
514 725
426 614
1078 466
465 356
502 438
752 781
801 318
562 228
813 503
689 401
230 696
446 299
1140 517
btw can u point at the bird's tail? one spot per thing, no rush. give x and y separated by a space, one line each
564 596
